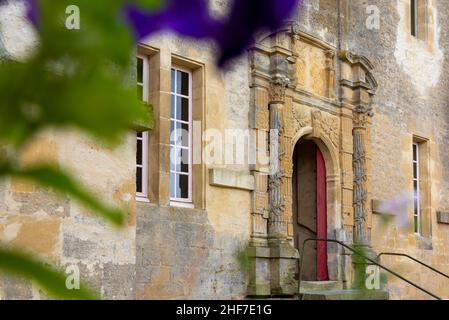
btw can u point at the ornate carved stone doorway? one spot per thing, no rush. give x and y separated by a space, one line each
305 88
310 208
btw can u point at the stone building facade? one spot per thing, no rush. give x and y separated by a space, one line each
333 100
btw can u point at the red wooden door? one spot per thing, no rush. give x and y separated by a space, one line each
321 199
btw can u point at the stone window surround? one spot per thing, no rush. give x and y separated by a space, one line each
416 188
160 65
173 200
420 20
424 185
425 190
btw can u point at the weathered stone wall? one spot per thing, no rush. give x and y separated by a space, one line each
54 227
58 230
412 100
180 252
193 253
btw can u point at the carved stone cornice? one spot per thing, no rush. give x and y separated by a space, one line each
362 76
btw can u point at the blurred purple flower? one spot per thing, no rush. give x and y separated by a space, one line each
32 11
247 18
191 18
399 207
187 17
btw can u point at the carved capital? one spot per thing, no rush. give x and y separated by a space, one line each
278 87
362 115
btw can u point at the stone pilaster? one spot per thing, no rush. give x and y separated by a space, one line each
358 86
283 255
277 223
360 175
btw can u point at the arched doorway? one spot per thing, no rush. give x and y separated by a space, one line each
310 208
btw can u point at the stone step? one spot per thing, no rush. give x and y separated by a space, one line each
345 295
320 285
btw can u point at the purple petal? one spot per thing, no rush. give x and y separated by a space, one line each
186 17
191 18
32 11
249 17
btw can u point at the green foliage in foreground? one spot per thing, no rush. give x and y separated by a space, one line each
74 78
51 177
48 278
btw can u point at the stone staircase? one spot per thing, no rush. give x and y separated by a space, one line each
333 290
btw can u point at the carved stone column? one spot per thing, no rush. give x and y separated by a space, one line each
361 115
277 223
273 258
283 255
357 86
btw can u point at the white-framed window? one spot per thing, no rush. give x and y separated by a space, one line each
181 136
142 137
416 190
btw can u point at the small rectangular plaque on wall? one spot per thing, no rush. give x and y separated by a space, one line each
443 217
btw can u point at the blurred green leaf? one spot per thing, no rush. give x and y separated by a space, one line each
76 77
53 282
51 177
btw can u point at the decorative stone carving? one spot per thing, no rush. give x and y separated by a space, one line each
295 28
277 227
278 87
360 192
301 118
362 76
327 126
330 67
362 114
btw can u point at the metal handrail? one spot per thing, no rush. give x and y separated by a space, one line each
363 256
413 259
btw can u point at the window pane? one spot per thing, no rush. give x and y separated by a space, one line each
415 152
139 152
415 170
173 79
185 134
184 186
416 205
139 179
176 133
172 106
182 83
139 70
172 132
413 15
175 159
179 185
173 183
139 135
184 161
416 223
182 109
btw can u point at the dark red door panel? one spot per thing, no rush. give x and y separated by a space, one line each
321 197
